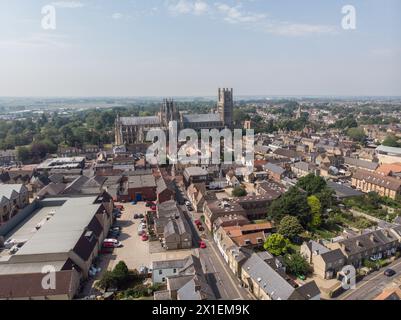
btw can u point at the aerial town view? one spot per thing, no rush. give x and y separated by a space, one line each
200 150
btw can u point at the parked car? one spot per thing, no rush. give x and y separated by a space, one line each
198 222
136 216
187 203
153 208
141 216
202 245
144 237
140 230
389 272
114 242
200 228
133 202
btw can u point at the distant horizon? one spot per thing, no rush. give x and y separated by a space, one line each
262 96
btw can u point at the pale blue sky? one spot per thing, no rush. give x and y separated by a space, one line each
191 47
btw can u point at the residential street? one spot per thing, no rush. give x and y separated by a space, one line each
224 284
372 285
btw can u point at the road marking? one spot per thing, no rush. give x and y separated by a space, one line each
367 282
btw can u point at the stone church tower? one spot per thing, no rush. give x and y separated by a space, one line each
225 106
168 112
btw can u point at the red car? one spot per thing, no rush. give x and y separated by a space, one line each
120 207
198 222
144 237
202 245
153 208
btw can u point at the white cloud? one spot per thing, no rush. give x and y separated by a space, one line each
68 4
252 20
200 7
197 7
234 15
117 15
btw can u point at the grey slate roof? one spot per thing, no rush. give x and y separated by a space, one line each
389 150
315 246
343 191
270 281
363 164
195 118
273 168
169 264
332 255
138 121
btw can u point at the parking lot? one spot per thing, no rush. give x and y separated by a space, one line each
135 252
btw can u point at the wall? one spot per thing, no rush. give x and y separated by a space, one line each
18 218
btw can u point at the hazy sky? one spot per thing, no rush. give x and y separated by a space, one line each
191 47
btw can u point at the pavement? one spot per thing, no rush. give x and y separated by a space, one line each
373 284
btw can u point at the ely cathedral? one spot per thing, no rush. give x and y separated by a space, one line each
132 130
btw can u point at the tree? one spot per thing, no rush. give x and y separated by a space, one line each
108 280
293 203
115 278
316 208
239 192
23 154
326 198
312 184
356 134
290 227
296 264
276 244
391 141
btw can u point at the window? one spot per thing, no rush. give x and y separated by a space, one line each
160 271
174 270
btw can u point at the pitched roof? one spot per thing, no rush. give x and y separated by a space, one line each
273 168
388 169
208 117
377 179
270 280
7 190
332 255
138 121
363 164
29 285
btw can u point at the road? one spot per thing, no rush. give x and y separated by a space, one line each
223 283
373 284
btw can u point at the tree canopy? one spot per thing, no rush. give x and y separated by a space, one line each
290 227
276 244
312 184
293 203
296 264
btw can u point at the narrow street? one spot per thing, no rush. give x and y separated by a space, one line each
224 284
